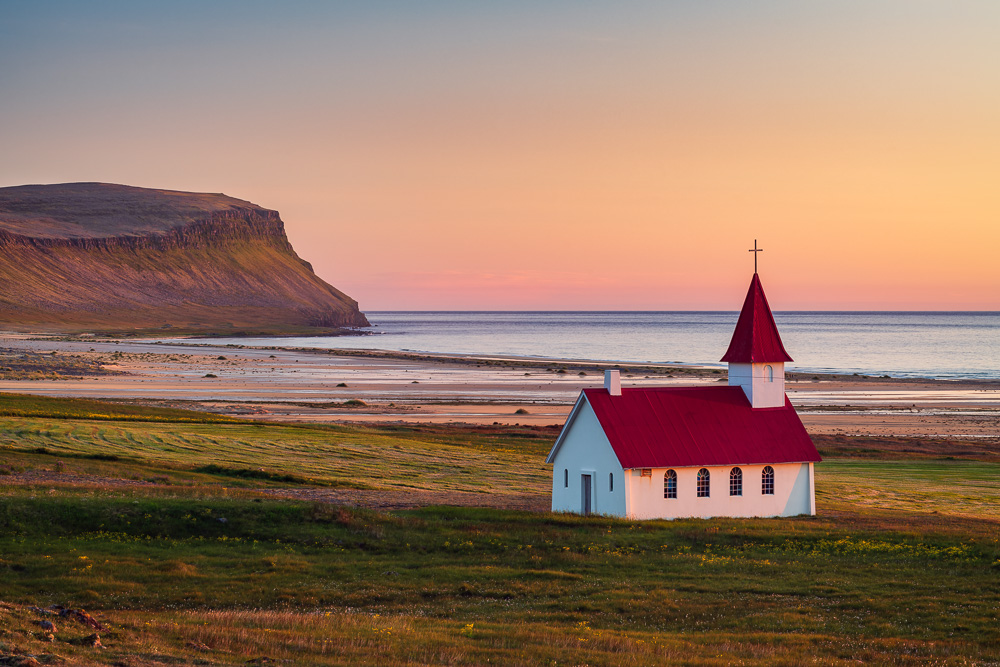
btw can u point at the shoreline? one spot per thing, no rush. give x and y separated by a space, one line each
508 360
344 386
521 360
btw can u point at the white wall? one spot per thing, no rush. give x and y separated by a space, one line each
586 450
793 493
753 379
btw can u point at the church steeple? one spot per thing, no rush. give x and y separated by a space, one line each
756 338
756 355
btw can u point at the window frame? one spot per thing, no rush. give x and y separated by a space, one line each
704 485
736 481
767 481
670 490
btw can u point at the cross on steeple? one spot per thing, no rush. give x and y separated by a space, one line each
755 251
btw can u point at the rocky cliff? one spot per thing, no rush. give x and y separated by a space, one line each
110 257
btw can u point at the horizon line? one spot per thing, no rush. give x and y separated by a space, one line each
553 310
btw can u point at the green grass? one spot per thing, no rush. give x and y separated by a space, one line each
26 405
901 566
330 456
795 587
956 488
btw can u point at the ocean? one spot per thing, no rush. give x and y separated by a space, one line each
946 345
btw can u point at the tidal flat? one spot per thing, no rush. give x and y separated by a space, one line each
355 386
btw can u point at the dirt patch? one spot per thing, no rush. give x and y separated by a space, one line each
394 499
379 499
52 477
28 365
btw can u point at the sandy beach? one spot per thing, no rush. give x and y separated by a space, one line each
348 386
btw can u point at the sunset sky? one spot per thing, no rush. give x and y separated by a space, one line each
547 155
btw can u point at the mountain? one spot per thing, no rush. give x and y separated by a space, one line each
96 256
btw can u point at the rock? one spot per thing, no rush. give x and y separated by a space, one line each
18 661
50 659
47 625
44 612
93 640
80 616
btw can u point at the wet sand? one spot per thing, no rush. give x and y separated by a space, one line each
313 385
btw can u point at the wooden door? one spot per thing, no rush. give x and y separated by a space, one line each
586 488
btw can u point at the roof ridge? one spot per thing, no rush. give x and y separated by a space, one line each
684 387
647 428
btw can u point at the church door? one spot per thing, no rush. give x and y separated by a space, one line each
586 487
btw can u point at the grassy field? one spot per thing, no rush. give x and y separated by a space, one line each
184 563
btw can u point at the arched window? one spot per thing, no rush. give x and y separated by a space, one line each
703 480
769 373
670 484
767 481
611 481
566 478
736 482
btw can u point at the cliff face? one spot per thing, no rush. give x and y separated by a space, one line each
110 257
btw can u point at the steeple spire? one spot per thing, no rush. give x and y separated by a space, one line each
756 338
756 356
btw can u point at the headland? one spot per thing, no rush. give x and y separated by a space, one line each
98 257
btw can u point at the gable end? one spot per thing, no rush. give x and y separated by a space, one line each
565 429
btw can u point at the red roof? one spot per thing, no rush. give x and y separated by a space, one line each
698 426
756 338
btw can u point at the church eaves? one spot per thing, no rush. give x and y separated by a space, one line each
756 338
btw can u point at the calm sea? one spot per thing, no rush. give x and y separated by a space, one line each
899 344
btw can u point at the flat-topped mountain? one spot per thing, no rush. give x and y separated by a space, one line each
96 256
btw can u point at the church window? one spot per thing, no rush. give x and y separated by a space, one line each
670 484
611 481
769 373
703 480
736 482
767 481
566 478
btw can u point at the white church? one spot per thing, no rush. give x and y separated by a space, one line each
669 452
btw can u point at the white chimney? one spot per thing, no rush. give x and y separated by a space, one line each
613 382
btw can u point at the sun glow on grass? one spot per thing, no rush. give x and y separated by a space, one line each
325 456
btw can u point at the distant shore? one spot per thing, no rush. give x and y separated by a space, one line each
911 346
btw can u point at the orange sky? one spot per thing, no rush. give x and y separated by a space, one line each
548 155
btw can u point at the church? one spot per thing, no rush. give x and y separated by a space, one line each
670 452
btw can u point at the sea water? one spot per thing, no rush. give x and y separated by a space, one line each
948 345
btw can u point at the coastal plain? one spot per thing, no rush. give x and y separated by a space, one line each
223 505
345 385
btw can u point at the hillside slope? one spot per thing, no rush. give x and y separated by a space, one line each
95 256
